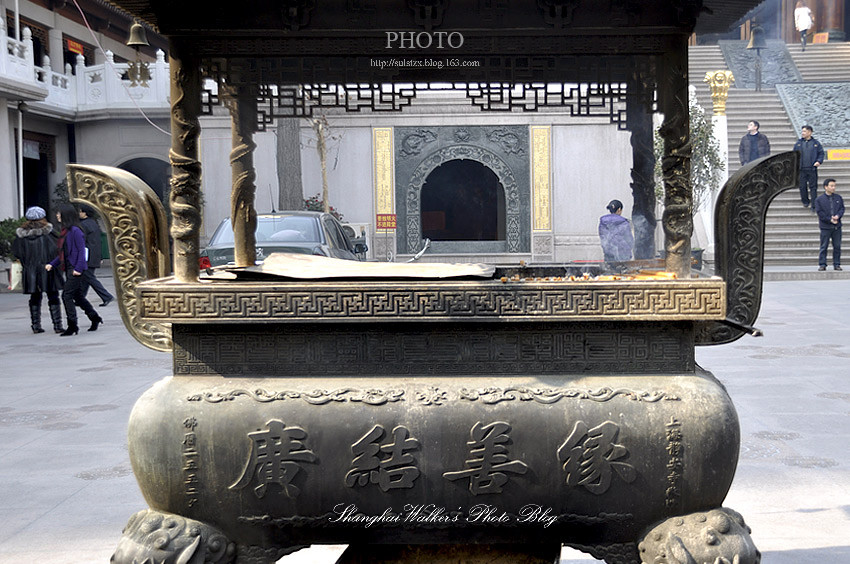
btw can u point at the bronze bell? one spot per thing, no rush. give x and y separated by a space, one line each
757 40
138 38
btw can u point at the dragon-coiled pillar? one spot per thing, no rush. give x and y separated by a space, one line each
185 198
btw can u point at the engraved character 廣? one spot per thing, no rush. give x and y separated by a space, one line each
489 460
590 455
275 454
390 472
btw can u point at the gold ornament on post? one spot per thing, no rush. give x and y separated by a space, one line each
138 71
720 82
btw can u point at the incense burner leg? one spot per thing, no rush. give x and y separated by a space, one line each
166 538
719 536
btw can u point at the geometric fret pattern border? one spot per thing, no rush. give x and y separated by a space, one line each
380 301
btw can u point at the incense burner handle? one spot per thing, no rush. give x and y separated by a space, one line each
137 233
739 223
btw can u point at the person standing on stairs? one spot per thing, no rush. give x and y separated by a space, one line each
811 157
754 144
803 20
830 209
72 259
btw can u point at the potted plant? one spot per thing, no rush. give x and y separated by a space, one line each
7 235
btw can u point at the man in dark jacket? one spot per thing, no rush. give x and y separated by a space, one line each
93 236
830 209
811 157
754 144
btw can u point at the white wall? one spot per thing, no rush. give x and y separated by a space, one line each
350 187
591 166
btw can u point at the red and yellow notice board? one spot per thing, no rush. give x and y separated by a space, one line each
385 221
838 155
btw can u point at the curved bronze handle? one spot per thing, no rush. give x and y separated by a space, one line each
137 232
739 240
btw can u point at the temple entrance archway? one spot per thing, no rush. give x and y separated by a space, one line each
463 200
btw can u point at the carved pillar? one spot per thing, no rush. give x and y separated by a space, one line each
185 197
242 103
639 122
676 161
831 14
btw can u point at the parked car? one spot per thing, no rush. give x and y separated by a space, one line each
307 232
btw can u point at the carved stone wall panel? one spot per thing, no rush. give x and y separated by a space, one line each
502 149
824 106
777 65
350 302
474 349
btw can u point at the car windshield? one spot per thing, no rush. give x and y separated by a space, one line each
286 229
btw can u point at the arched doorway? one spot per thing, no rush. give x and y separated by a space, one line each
154 172
463 200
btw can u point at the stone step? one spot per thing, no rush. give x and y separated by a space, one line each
791 232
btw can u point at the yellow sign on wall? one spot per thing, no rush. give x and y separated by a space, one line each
541 171
838 155
382 143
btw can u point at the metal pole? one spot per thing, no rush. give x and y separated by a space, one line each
20 159
17 21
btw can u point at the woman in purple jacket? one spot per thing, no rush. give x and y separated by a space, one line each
72 260
615 234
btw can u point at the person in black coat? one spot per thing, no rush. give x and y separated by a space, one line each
93 235
35 246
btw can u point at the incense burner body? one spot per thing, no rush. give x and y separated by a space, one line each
434 412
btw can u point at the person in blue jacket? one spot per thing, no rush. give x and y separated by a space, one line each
72 260
615 234
830 209
811 157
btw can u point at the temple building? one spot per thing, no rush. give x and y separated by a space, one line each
526 182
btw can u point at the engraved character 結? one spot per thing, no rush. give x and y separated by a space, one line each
590 455
275 454
488 460
387 465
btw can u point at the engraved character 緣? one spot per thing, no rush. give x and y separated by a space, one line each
590 455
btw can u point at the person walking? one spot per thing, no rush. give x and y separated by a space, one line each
35 246
830 209
811 157
93 243
72 260
615 234
754 144
803 21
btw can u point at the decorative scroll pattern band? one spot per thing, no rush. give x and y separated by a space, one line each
523 301
553 395
315 397
486 395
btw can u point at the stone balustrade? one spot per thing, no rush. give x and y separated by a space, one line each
82 88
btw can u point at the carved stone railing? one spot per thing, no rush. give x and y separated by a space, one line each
85 88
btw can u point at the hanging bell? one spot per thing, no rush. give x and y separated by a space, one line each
138 38
757 39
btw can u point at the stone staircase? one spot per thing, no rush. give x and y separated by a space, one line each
792 235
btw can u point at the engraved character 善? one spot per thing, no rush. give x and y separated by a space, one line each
397 470
590 455
275 454
489 460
